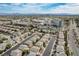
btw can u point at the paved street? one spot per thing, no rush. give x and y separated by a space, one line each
72 39
49 47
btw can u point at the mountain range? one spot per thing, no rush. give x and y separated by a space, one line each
19 14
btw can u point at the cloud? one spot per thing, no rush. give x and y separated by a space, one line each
41 8
68 8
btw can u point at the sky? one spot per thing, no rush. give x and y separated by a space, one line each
39 8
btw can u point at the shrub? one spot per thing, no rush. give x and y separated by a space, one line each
37 40
1 41
8 46
44 45
33 43
1 51
25 52
4 38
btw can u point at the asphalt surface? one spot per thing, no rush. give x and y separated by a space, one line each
71 39
49 47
